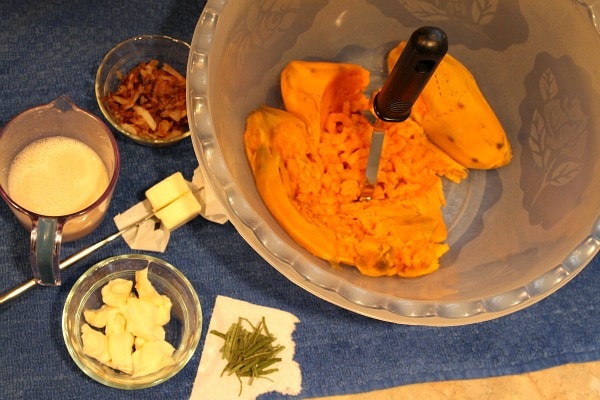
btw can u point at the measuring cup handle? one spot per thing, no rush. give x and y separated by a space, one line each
46 235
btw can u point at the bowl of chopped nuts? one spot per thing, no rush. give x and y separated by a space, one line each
132 321
140 88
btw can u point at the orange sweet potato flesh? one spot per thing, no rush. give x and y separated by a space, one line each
459 119
309 163
266 127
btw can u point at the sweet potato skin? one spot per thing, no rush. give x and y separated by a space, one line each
459 120
270 175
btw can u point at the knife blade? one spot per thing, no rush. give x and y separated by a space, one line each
393 103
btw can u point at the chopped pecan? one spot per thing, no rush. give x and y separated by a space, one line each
150 102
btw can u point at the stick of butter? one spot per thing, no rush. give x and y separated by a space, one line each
167 190
179 212
175 202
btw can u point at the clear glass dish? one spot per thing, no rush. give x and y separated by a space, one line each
183 330
123 58
516 234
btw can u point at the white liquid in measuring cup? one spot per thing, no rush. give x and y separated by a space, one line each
57 176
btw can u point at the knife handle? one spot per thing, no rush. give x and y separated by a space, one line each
417 63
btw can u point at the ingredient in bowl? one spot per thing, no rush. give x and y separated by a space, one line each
459 119
150 102
57 175
309 163
249 354
127 333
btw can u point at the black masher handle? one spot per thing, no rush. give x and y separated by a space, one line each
417 63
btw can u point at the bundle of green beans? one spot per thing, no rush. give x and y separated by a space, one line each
249 353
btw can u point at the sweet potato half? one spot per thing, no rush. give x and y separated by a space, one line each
459 120
309 163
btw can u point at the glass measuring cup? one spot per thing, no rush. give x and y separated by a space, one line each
37 127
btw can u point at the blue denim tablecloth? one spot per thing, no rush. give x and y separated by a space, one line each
52 48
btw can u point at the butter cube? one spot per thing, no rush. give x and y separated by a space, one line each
167 190
147 292
139 342
152 356
140 319
120 347
116 324
95 344
144 288
158 333
116 292
179 212
100 317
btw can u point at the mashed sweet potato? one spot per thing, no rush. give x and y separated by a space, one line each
309 165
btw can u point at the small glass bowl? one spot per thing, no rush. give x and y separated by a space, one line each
182 332
127 55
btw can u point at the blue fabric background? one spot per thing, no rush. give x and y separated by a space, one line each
52 48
